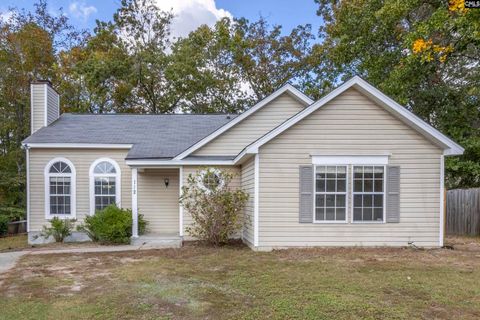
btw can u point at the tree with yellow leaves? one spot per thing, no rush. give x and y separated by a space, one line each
426 55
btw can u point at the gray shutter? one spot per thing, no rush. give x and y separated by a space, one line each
393 194
306 194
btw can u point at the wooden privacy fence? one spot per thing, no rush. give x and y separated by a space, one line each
463 212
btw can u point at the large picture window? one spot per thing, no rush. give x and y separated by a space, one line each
330 193
368 193
60 189
104 185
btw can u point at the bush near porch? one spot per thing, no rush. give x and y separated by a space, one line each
214 206
112 225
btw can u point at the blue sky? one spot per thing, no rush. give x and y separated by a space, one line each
189 13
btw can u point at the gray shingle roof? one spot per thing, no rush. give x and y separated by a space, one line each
210 158
152 136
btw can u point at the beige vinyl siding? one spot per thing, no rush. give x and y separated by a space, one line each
53 107
253 127
38 106
191 170
81 159
350 124
159 204
248 185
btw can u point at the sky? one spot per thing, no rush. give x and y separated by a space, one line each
189 14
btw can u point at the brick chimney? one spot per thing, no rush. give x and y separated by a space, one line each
45 104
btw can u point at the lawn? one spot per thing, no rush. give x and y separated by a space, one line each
13 242
20 242
235 283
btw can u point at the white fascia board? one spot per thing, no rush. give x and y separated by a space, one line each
244 153
297 94
77 145
163 163
450 147
453 151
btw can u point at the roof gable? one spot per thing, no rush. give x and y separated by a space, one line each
286 89
450 147
235 139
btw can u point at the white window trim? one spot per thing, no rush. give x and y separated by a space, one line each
383 192
73 191
201 176
315 194
118 182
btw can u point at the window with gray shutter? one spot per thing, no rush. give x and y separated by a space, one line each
393 194
368 193
306 194
330 193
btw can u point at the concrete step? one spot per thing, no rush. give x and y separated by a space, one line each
157 241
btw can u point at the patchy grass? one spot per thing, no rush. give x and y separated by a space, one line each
471 243
13 242
236 283
20 242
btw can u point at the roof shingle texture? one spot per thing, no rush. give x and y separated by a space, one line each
152 136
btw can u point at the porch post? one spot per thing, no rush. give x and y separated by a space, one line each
134 203
180 185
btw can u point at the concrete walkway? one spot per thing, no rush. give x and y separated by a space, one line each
9 259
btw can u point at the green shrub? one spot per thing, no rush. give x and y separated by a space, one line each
111 225
215 207
13 213
59 229
142 225
4 225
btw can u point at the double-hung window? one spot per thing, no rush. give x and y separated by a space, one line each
60 189
330 193
105 184
368 193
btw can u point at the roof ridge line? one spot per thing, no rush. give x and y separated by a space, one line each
149 114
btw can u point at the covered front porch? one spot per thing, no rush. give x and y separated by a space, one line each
155 195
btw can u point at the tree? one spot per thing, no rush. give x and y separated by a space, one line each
205 73
423 54
29 42
95 76
144 29
267 59
227 67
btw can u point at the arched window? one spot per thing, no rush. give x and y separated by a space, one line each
60 189
210 180
104 184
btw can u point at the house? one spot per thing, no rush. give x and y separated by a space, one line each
351 169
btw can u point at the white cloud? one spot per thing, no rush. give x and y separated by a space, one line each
80 10
190 14
5 15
